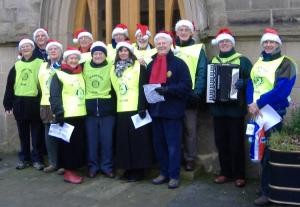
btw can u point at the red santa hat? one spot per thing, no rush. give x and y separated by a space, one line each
72 51
44 30
120 29
25 41
223 34
81 33
126 44
185 22
144 30
270 34
56 43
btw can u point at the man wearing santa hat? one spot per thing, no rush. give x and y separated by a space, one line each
85 40
194 56
40 38
272 80
173 75
143 49
229 117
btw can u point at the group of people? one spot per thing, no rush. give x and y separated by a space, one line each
97 88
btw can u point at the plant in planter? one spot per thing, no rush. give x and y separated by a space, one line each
285 162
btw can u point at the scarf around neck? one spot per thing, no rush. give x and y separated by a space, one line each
121 66
159 70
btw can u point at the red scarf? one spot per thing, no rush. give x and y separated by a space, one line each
159 70
69 69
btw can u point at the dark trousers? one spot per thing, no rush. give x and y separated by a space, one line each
52 145
167 135
100 140
25 129
229 139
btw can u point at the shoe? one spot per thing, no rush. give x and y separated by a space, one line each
60 171
22 165
109 174
190 165
261 201
160 180
38 165
240 183
71 177
221 179
173 183
135 176
49 169
91 174
125 175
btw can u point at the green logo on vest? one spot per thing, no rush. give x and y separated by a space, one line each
258 81
95 84
80 93
123 89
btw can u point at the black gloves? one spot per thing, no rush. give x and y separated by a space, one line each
59 118
163 90
142 114
239 84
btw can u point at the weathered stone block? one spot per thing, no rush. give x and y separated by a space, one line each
12 4
248 17
286 16
7 15
269 4
233 5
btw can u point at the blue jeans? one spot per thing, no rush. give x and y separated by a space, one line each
167 135
52 145
100 141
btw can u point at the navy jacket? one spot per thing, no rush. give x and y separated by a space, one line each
179 87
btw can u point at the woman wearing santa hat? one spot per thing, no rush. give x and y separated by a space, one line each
119 34
85 39
67 99
133 146
40 38
54 50
229 117
22 98
101 108
142 48
272 79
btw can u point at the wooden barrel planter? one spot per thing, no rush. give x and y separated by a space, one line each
284 177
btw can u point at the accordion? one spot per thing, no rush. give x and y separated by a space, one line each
221 80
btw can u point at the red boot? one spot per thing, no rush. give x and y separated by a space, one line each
71 177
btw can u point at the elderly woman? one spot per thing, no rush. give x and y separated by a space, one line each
272 79
229 117
47 70
173 75
23 100
101 109
133 146
119 34
67 99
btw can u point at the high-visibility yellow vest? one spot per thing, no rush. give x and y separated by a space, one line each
190 55
45 77
127 88
233 59
86 56
263 76
144 54
73 94
26 81
111 52
97 81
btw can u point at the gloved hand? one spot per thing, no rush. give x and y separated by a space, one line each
239 84
59 118
142 114
163 90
